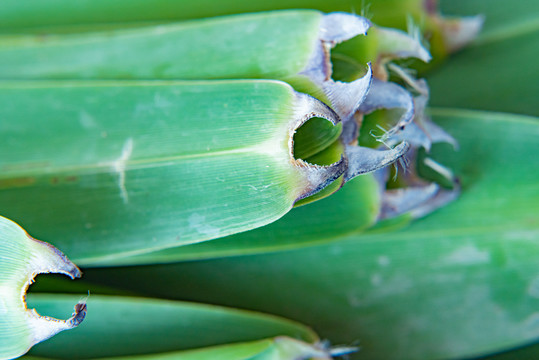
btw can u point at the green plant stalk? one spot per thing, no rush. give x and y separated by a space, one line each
22 258
130 167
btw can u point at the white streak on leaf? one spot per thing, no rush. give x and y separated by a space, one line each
119 167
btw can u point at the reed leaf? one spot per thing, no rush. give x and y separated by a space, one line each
128 326
120 168
505 78
22 258
460 283
291 46
280 348
497 70
354 208
444 34
45 14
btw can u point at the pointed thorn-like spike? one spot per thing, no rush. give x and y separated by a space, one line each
388 95
318 177
424 133
337 27
308 107
363 160
346 98
54 261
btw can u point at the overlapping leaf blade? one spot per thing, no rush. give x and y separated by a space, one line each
131 167
44 13
484 264
279 348
459 283
502 18
351 210
497 72
121 326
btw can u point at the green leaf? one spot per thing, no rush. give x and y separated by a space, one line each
497 72
292 46
354 208
502 18
445 35
111 169
459 283
22 258
279 348
45 13
526 352
286 45
268 46
494 75
122 326
225 352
